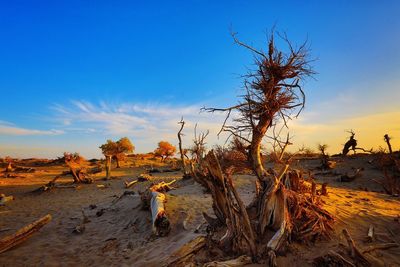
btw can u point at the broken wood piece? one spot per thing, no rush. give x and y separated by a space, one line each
238 262
23 234
129 184
332 258
350 178
163 186
186 252
380 246
4 199
354 251
370 236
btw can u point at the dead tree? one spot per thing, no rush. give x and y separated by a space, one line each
185 172
325 162
199 145
387 140
74 162
273 91
352 144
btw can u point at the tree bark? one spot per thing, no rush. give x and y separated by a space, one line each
117 161
185 172
108 167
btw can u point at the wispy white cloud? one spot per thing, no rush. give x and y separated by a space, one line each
145 123
7 128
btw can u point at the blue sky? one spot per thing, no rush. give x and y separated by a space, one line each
75 73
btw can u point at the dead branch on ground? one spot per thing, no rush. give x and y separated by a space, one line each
23 234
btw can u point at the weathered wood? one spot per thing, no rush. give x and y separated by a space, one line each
370 236
350 178
154 199
185 172
161 225
229 209
354 251
332 258
185 254
238 262
380 246
23 234
4 199
129 184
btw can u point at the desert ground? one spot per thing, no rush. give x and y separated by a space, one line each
118 232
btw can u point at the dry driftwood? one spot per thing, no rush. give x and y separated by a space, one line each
380 246
129 184
23 234
185 254
370 236
4 199
154 198
238 262
332 258
354 251
161 225
350 178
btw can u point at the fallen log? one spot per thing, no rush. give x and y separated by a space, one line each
161 225
154 199
23 234
238 262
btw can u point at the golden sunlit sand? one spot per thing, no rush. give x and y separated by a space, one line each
122 235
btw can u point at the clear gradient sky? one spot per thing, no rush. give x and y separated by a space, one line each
75 73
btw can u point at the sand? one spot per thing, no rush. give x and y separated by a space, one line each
122 235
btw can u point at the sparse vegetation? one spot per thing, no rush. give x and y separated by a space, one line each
164 150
